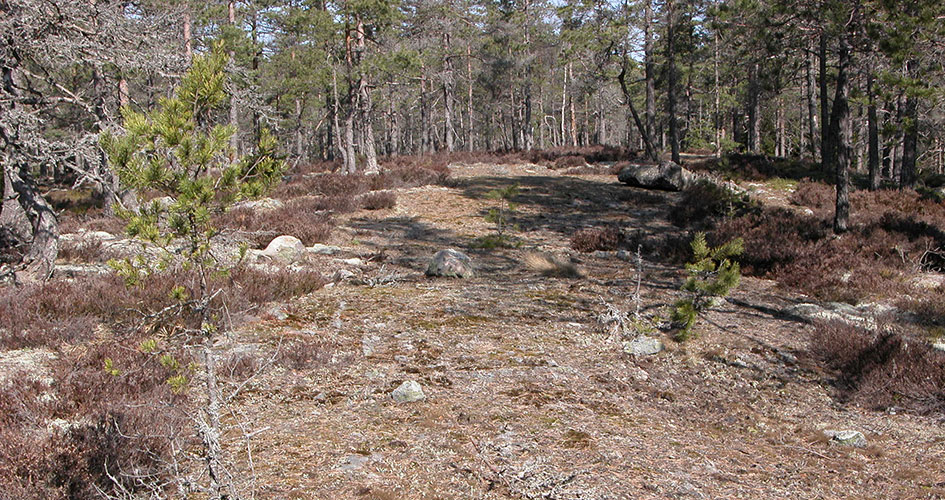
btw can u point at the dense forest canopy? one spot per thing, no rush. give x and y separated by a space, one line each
852 84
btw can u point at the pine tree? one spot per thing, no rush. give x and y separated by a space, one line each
712 274
178 151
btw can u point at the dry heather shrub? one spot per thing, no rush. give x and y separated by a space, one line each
254 286
708 199
882 369
82 251
304 218
304 353
593 239
551 265
378 200
92 221
570 161
119 424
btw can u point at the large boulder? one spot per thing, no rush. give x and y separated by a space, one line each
666 176
451 263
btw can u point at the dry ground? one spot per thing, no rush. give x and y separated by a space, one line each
527 395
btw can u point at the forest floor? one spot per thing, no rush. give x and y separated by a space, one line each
528 395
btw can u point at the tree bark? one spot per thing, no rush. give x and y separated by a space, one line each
234 111
754 109
649 69
40 259
838 133
671 97
811 106
826 151
910 133
873 133
651 152
448 96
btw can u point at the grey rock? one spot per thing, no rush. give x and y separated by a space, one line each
408 392
285 248
260 204
624 255
354 261
341 275
939 346
666 176
863 315
318 248
75 270
452 264
369 345
643 346
847 438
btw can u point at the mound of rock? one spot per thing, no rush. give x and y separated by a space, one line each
666 176
451 263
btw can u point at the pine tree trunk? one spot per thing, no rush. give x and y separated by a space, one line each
839 131
812 137
826 150
754 109
40 259
448 97
234 111
910 138
873 133
649 69
672 83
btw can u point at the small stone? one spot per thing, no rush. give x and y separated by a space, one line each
408 392
369 345
638 374
353 262
400 358
847 438
279 313
939 346
643 346
624 255
341 275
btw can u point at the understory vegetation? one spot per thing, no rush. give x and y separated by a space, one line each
895 238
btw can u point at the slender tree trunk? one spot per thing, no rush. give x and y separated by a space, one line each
644 134
234 106
811 105
448 96
672 83
649 69
754 109
872 133
910 130
826 149
365 110
470 144
839 132
528 132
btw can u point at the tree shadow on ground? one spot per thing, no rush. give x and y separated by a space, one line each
417 241
566 205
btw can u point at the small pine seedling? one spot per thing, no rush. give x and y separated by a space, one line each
712 274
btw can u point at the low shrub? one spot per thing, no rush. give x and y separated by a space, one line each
705 200
882 369
378 200
594 239
569 161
